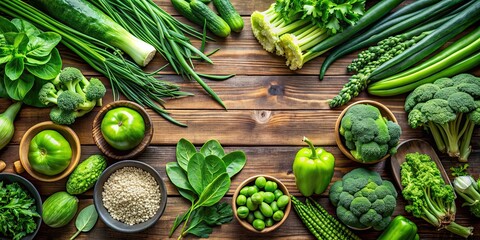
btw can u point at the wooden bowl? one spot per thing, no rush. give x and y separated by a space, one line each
108 150
251 181
339 139
66 132
413 146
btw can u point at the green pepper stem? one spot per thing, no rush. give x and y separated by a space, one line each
310 144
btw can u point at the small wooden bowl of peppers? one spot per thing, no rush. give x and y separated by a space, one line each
261 203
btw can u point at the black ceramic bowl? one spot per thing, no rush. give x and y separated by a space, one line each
103 212
8 178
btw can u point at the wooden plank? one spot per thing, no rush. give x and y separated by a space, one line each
273 160
260 127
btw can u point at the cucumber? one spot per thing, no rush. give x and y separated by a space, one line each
215 23
183 7
86 174
84 17
229 14
59 209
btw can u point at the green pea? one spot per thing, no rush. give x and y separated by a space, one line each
283 201
244 191
274 206
278 193
270 186
241 200
269 222
252 190
242 212
268 197
260 182
257 198
258 224
266 209
250 205
278 215
250 217
258 215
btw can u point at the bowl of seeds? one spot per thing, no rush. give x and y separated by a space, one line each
130 196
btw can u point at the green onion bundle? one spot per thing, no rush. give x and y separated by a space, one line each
125 76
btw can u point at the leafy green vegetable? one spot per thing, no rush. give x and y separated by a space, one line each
460 170
204 179
86 220
18 212
27 57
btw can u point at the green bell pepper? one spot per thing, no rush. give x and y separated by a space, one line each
49 152
313 169
400 228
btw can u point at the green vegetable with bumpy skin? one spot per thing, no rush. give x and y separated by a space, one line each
467 188
214 23
449 108
427 194
18 212
88 19
49 152
367 134
363 199
59 209
229 14
7 128
313 169
400 228
319 222
86 174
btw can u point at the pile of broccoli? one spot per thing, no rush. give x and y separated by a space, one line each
72 95
363 199
449 109
368 135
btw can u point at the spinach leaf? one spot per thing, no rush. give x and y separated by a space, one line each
14 68
184 151
187 194
202 171
178 220
199 228
19 88
86 220
36 61
50 70
235 161
177 176
212 147
204 218
43 44
26 27
214 191
6 26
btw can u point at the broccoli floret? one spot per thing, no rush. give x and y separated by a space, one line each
69 101
95 90
382 224
346 122
394 132
461 102
383 136
470 88
465 78
348 136
62 117
421 94
444 82
70 77
416 118
366 206
48 94
438 111
364 130
444 93
363 111
350 144
371 151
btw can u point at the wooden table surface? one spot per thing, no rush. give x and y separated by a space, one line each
270 109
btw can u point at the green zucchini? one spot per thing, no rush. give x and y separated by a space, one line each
429 44
215 23
183 7
59 209
229 14
88 19
388 28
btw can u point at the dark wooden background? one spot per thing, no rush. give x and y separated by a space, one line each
270 109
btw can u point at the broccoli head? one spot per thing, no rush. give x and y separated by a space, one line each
363 199
421 94
470 88
73 95
367 134
444 93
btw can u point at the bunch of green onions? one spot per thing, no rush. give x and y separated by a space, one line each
147 21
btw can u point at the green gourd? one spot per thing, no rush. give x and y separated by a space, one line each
86 174
59 209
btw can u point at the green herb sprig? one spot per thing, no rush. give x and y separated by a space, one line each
86 220
203 178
